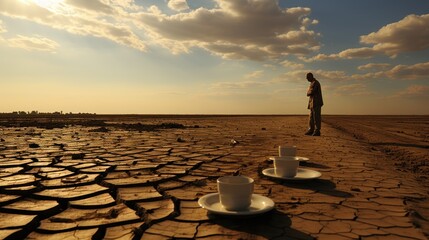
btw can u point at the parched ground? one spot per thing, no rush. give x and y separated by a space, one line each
141 177
404 139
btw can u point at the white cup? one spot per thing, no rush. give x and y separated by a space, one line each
235 192
287 151
285 166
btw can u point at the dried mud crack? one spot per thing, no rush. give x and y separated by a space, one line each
111 177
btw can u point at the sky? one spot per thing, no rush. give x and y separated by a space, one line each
214 56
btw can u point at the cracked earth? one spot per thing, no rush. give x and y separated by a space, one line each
87 182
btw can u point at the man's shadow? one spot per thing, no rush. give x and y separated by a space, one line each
270 225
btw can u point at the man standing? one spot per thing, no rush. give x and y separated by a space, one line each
315 104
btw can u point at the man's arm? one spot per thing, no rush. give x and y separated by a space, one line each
311 89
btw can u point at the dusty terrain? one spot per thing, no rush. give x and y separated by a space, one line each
140 177
405 142
404 139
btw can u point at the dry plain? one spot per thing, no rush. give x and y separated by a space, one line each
140 177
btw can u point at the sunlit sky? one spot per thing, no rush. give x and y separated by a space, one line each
214 56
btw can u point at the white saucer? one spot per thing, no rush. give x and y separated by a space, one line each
302 174
301 159
260 204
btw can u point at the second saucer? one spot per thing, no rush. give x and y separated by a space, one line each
302 174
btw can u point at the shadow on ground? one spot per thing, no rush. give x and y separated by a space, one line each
323 186
313 165
271 225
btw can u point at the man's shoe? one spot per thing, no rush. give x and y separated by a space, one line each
309 132
316 133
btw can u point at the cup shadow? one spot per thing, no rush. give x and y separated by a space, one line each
270 225
323 186
313 165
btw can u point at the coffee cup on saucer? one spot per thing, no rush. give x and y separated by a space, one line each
286 166
235 192
287 151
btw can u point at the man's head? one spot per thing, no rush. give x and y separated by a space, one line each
310 77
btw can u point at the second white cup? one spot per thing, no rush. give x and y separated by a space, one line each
235 192
286 166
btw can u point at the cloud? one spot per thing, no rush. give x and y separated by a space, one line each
178 5
241 29
36 43
357 53
409 72
369 76
321 75
292 65
287 91
356 89
374 66
297 76
255 74
126 4
414 91
320 57
418 71
237 85
399 72
93 5
70 18
351 53
407 35
2 28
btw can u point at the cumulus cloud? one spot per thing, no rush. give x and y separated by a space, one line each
351 53
255 74
322 75
374 66
357 53
237 85
93 5
414 91
407 35
178 5
409 72
339 81
36 43
248 81
2 28
292 65
379 71
416 71
241 29
356 89
125 4
70 18
369 76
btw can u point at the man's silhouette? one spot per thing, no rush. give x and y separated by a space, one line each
315 103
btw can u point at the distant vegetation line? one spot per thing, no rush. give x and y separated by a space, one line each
24 113
31 114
